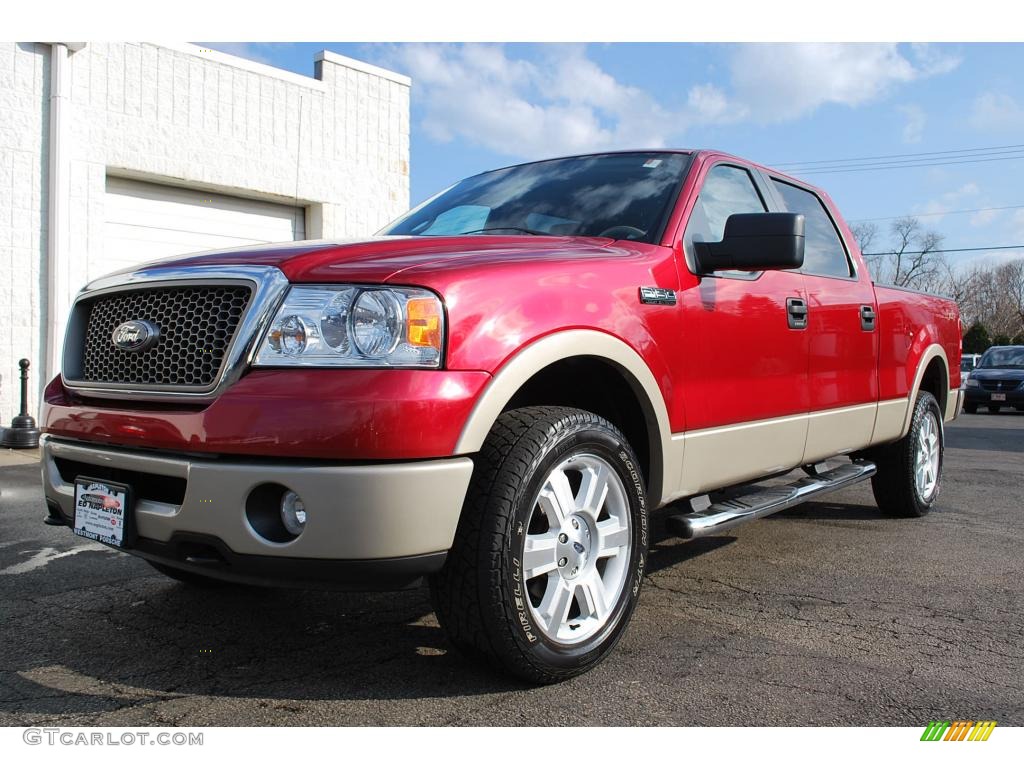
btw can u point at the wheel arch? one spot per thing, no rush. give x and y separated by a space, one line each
932 376
533 371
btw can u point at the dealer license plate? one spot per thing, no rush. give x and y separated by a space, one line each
999 396
101 511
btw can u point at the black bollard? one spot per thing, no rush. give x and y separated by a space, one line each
23 432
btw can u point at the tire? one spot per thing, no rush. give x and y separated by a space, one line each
187 577
897 489
970 408
489 606
993 408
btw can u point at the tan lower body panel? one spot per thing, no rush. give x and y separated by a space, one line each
721 456
889 421
954 404
840 430
353 511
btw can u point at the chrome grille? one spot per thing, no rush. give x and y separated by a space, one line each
999 385
196 326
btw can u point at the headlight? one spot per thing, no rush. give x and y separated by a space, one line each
972 383
355 326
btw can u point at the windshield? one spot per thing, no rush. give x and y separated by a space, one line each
967 363
625 196
1010 357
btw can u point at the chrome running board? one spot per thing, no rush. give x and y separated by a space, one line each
723 515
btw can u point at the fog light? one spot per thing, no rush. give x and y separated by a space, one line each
293 513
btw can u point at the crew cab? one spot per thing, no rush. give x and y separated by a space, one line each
498 390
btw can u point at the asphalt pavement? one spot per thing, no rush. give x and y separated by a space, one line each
827 614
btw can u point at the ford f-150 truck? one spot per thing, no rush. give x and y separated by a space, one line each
497 391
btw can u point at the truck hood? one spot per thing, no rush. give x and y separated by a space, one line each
997 374
381 259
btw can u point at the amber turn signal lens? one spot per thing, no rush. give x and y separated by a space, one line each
423 323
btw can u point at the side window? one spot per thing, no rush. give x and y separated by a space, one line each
824 253
727 190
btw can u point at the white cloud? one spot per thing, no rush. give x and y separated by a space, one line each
997 112
708 104
956 199
784 81
967 197
983 218
562 103
913 128
932 61
1018 226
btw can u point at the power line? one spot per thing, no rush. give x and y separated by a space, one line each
940 213
888 157
855 168
952 250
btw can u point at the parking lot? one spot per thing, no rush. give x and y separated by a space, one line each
827 614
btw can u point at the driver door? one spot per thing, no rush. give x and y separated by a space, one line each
745 387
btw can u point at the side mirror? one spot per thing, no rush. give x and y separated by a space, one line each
754 242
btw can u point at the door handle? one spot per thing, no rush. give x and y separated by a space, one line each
867 317
796 312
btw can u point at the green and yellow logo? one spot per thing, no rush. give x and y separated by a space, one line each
958 730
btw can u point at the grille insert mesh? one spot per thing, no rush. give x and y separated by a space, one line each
196 324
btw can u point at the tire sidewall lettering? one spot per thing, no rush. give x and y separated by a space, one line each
590 438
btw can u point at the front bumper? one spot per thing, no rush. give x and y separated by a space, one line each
979 396
367 525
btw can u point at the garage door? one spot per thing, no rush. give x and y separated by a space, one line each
151 221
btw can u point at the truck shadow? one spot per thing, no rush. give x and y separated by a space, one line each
150 640
142 640
122 645
827 510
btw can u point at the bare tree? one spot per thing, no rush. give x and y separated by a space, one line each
865 233
913 261
992 295
1012 276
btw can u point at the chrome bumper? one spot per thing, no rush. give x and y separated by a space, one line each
354 512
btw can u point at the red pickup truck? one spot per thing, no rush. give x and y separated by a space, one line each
498 390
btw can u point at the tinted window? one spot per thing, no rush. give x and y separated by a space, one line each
824 253
461 218
727 190
626 196
1007 357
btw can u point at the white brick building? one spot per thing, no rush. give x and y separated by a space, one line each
117 153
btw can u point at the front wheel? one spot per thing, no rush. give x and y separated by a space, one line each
994 408
909 471
550 551
970 408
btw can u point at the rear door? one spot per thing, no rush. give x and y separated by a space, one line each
842 332
745 381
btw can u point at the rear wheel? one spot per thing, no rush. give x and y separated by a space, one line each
548 558
909 471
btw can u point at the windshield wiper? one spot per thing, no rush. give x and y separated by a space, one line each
506 229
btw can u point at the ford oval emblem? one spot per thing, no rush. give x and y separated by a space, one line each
135 336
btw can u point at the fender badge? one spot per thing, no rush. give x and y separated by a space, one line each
649 295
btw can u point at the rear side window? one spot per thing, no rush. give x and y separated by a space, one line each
824 253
